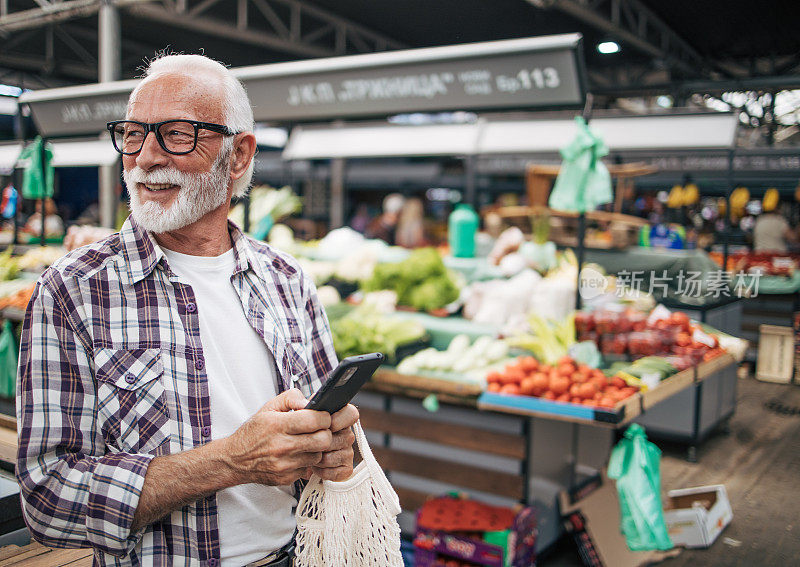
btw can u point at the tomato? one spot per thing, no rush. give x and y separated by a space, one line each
587 391
579 378
548 395
540 382
512 377
566 359
576 400
513 367
606 402
584 369
529 364
526 387
575 391
560 386
618 382
494 376
679 318
512 389
627 392
683 339
546 368
566 369
493 387
562 398
589 403
599 383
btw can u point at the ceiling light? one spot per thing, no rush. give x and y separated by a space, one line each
608 47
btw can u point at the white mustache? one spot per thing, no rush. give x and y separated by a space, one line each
169 175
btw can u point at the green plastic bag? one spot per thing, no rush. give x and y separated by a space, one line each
8 362
635 464
32 186
584 182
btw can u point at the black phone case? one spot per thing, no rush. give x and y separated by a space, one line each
345 380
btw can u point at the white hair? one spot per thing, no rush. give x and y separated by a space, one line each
238 114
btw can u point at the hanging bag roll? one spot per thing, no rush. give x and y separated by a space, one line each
352 523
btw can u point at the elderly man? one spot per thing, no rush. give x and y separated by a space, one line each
164 370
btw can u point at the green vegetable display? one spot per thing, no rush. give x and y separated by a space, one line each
364 330
9 266
421 281
548 340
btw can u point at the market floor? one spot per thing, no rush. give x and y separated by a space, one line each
758 461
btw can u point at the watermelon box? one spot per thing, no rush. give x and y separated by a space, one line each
514 547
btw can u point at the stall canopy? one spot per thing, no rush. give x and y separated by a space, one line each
381 141
529 136
84 153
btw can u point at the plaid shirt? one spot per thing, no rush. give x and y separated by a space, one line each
112 374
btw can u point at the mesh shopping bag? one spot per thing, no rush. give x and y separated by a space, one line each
351 523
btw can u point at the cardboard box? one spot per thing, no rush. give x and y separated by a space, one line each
591 515
775 354
696 516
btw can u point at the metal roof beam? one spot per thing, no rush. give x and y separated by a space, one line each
45 66
284 26
51 13
632 22
771 83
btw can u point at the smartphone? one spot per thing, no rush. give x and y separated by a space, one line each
345 380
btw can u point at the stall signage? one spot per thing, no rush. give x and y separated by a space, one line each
520 80
80 115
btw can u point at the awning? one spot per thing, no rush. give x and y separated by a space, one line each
381 141
546 136
8 157
84 153
675 132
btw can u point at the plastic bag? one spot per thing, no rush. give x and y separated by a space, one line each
583 182
33 186
8 361
635 464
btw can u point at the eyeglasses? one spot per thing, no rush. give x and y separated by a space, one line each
177 137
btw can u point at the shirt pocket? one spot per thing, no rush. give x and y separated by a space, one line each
132 403
295 353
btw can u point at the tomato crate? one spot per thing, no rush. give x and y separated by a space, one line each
514 547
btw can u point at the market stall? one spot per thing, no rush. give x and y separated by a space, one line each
477 400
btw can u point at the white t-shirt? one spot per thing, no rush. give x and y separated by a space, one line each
254 519
768 233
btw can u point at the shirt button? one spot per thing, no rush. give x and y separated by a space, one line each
206 431
295 378
213 562
130 378
191 307
200 363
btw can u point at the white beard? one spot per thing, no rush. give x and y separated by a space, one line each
198 195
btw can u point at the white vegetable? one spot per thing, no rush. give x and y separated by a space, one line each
459 344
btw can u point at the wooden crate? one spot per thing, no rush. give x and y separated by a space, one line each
775 354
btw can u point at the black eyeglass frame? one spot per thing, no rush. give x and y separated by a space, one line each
154 127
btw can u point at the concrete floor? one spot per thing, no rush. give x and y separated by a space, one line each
758 461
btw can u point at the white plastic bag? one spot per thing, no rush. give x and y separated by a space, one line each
352 523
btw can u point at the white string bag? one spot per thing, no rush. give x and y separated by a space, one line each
352 523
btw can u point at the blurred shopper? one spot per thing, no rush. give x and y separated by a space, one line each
53 224
361 218
384 226
410 226
164 370
771 232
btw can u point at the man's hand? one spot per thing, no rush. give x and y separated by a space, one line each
337 462
281 442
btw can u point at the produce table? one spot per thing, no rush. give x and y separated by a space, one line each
501 449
